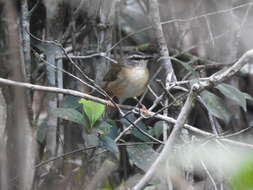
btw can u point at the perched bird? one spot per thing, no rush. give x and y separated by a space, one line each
129 78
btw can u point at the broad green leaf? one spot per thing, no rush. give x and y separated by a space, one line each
242 178
92 109
233 94
142 156
70 115
215 106
108 143
70 102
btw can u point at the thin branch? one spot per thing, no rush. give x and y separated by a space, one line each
236 133
208 174
63 155
52 89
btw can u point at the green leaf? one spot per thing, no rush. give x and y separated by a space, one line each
215 106
70 115
70 102
108 143
233 94
142 156
92 109
242 178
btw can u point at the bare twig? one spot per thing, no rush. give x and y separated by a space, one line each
64 155
208 174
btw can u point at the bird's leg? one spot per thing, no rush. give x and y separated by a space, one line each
143 108
110 104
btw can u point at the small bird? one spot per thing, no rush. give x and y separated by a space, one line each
128 79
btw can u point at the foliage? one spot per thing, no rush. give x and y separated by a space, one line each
93 110
233 94
242 178
215 105
95 132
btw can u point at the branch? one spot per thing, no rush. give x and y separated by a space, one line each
77 94
206 134
102 101
52 89
169 143
195 90
161 41
221 76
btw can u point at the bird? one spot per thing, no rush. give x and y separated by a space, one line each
129 78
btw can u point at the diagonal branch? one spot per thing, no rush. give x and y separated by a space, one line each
170 142
195 90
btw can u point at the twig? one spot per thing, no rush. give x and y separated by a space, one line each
236 133
209 175
63 155
33 8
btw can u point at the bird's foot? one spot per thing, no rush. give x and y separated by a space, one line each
144 110
110 104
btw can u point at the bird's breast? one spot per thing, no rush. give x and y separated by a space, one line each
134 82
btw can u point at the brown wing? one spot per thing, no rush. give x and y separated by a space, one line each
111 79
112 74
